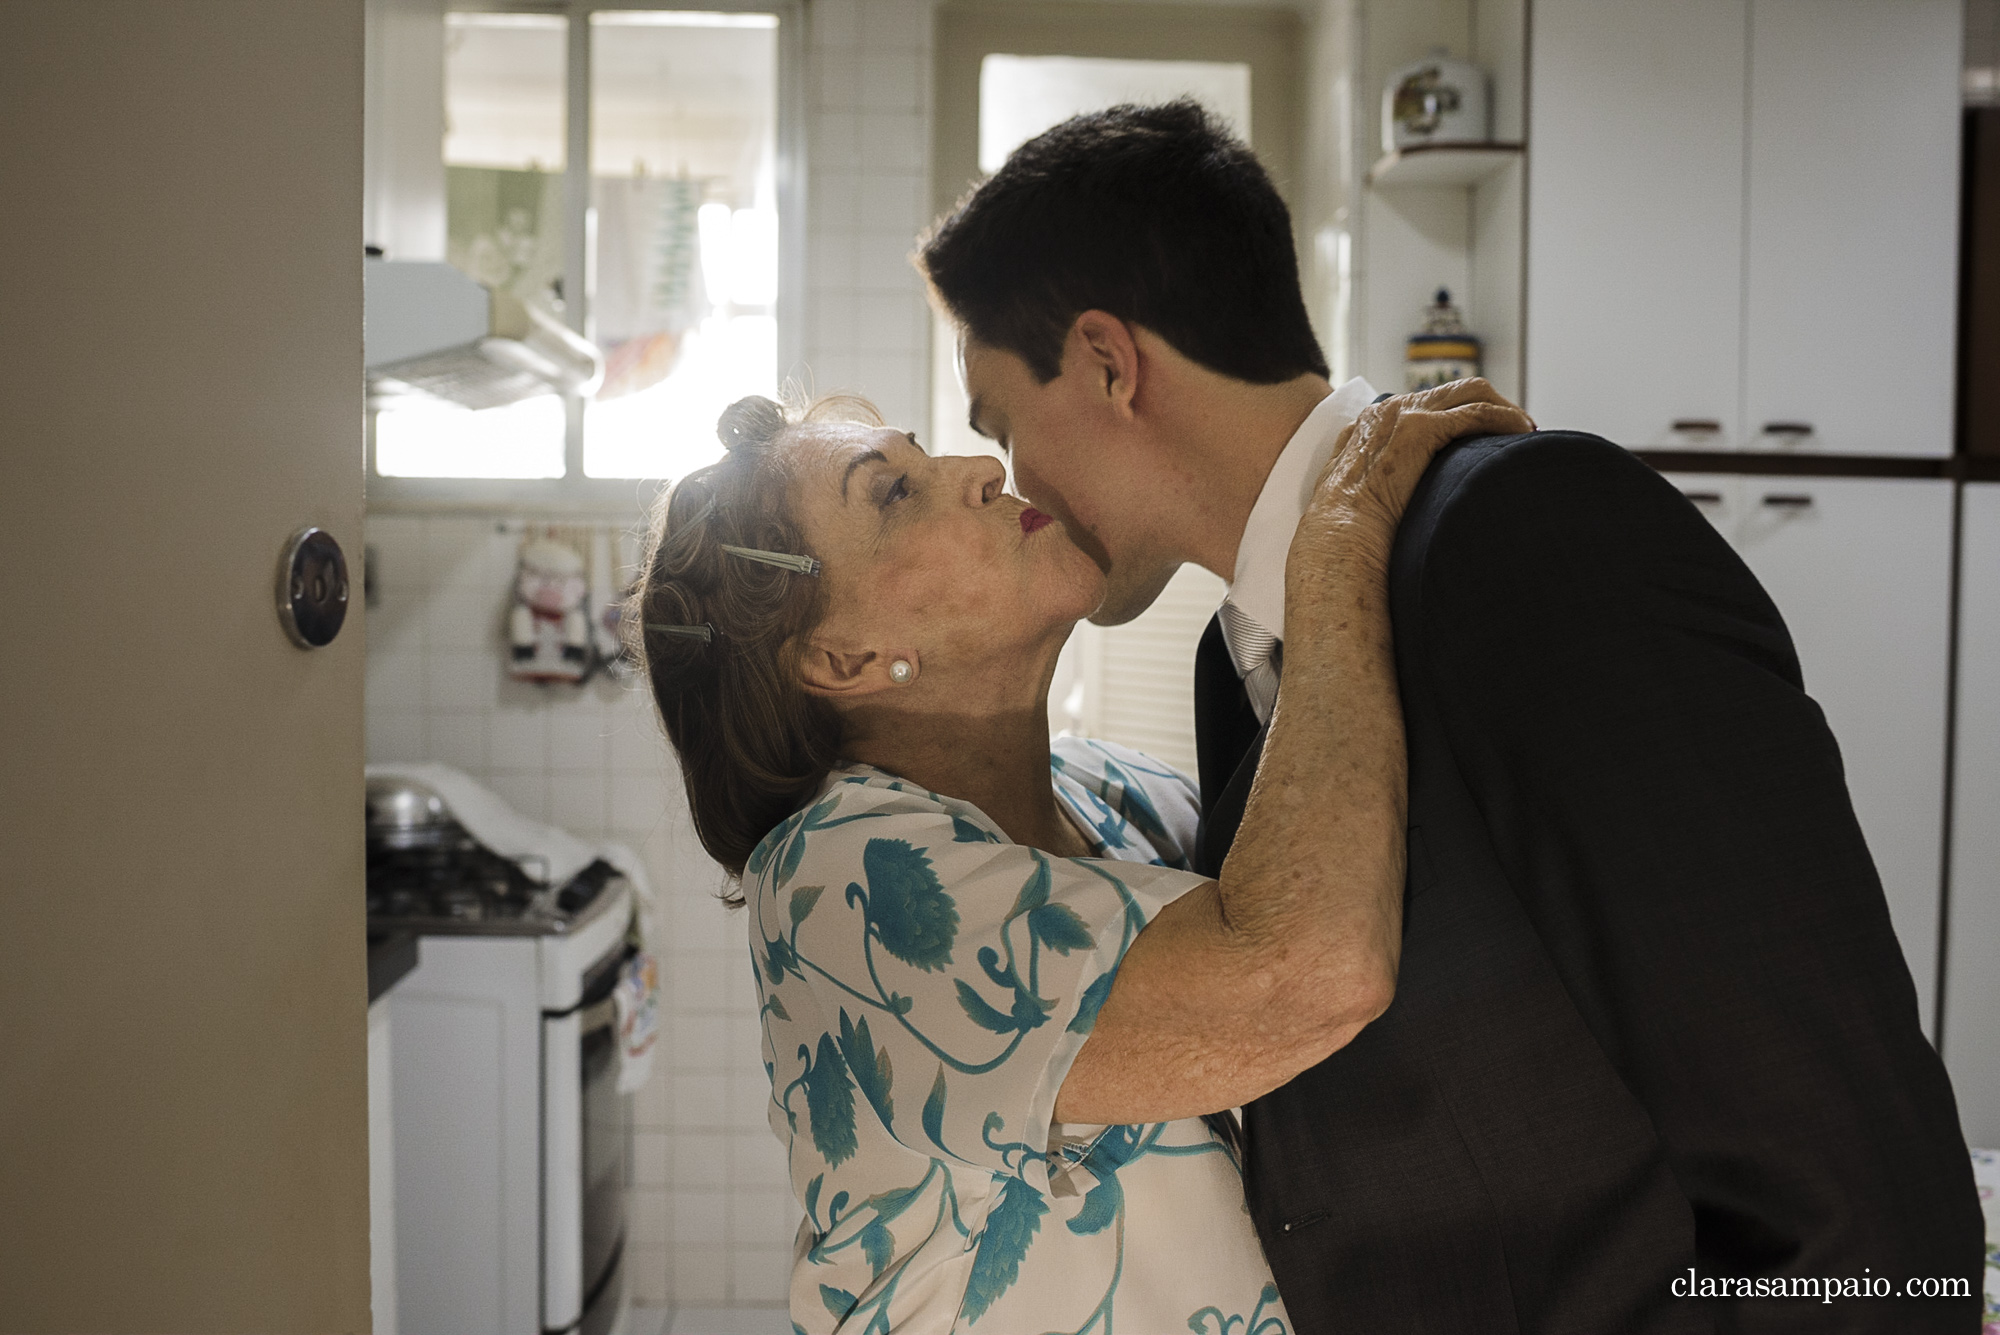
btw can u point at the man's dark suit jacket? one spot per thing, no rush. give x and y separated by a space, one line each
1651 1014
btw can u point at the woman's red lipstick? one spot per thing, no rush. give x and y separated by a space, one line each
1032 519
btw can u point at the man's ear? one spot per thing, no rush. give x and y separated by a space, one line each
1109 356
843 675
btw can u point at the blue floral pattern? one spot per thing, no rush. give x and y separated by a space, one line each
926 983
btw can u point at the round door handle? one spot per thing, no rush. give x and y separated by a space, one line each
312 588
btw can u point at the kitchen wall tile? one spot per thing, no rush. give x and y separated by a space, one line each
649 1275
517 738
652 1159
882 262
700 984
461 679
895 25
395 622
700 1103
830 255
700 922
700 1216
397 544
394 682
470 622
892 141
836 23
456 551
527 791
642 801
756 1159
739 984
837 190
834 141
749 1100
762 1217
649 1216
637 743
700 1274
458 739
894 202
699 1161
890 80
395 736
653 1105
836 79
578 736
576 802
760 1274
701 1043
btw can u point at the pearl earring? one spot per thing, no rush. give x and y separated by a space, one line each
902 672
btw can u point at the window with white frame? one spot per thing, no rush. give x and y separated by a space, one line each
620 170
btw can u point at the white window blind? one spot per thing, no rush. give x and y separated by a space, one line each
1138 678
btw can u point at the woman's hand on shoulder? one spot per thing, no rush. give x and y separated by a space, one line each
1381 456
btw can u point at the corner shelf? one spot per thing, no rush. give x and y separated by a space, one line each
1441 164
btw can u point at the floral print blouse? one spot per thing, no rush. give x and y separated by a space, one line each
926 984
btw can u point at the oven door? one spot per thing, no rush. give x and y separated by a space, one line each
583 1157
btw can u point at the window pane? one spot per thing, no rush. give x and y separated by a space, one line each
521 440
503 152
684 165
1021 96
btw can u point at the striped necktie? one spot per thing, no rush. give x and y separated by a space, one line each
1257 654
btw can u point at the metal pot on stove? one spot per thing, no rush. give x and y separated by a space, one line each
405 814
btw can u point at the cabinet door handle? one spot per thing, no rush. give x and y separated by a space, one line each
1788 428
1788 501
1704 497
1703 425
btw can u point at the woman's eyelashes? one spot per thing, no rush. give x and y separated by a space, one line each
899 490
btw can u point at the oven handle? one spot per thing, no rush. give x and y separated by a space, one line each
599 1015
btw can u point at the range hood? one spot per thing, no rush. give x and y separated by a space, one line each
432 334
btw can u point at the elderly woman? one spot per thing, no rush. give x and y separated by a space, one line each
996 1005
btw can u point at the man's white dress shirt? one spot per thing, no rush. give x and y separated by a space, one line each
1253 613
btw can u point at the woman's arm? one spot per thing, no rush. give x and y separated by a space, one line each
1239 985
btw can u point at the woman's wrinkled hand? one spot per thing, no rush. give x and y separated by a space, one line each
1379 459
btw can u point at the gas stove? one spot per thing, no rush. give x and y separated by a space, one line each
456 886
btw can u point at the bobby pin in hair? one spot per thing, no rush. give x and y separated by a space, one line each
804 565
704 632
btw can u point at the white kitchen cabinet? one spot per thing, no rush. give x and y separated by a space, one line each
1860 568
1852 240
1972 969
1635 217
1742 214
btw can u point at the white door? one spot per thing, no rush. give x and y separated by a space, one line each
183 1004
1861 570
1635 219
1853 225
1972 970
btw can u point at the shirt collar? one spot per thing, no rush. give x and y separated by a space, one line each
1259 584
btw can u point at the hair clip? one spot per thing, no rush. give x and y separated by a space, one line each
804 565
704 632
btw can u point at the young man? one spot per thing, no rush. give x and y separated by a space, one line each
1653 1039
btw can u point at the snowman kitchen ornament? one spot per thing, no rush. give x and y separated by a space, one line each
548 628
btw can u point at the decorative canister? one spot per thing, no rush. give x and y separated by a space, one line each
1435 101
1444 352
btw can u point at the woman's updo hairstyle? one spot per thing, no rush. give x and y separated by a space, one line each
753 744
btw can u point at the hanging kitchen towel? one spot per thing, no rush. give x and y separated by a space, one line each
638 990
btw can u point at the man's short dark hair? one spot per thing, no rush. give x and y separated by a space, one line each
1157 215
